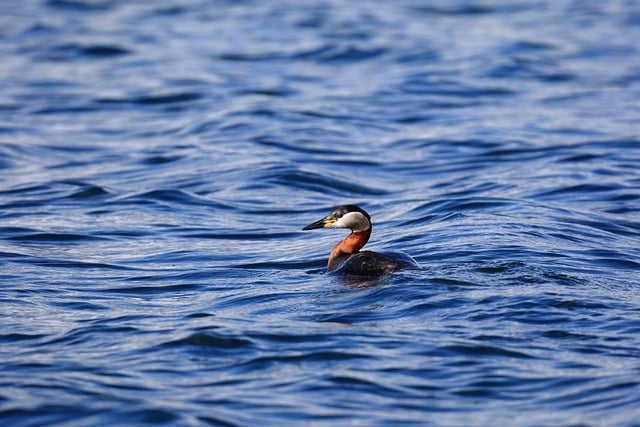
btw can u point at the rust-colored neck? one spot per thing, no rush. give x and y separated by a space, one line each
350 245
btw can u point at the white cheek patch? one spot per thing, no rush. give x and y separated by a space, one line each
352 220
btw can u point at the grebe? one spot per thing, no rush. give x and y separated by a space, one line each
346 258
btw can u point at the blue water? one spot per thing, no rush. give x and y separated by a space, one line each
159 159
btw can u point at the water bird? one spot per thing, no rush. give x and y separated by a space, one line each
346 258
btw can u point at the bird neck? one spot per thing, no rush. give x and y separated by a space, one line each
348 246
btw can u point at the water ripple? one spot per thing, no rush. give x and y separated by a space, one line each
159 161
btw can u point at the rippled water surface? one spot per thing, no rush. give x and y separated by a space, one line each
159 159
